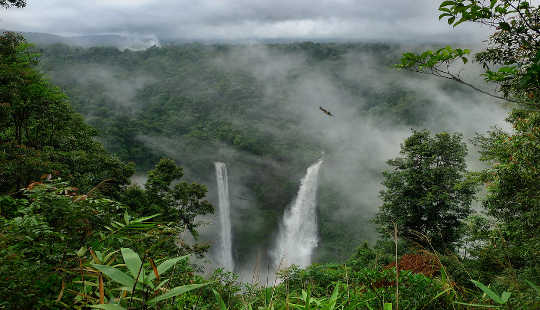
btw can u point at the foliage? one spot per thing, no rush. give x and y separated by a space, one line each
38 234
502 248
42 231
40 134
509 241
12 3
426 193
139 283
57 245
194 103
178 206
511 59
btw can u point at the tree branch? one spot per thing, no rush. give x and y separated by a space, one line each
448 75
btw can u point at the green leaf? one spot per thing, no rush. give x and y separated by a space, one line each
460 21
108 256
115 275
535 287
333 299
100 256
387 306
219 300
505 296
142 219
108 307
451 20
440 294
81 252
446 3
161 284
444 15
494 296
126 218
176 291
132 260
476 305
166 265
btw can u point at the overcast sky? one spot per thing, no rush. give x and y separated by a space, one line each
403 20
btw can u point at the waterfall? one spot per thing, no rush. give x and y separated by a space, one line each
298 233
225 253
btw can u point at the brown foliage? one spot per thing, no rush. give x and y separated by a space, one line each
425 263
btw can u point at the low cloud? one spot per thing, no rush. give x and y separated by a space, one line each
397 20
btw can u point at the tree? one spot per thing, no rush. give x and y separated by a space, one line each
513 199
512 62
512 58
178 204
41 232
40 134
12 3
426 193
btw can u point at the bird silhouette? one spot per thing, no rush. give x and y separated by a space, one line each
326 111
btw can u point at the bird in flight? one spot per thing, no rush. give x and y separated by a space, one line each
326 111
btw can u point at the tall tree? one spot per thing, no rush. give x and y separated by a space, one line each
179 203
425 193
512 62
40 133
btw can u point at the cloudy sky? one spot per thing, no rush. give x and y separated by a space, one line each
402 20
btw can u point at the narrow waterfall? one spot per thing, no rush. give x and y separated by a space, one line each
298 233
225 253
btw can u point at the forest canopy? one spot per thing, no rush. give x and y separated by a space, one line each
106 171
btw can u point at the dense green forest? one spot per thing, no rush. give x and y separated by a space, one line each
256 108
107 171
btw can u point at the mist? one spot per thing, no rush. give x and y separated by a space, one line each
358 87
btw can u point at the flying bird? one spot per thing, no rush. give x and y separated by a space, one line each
326 111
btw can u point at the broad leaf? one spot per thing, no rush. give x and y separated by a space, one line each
219 300
494 296
333 299
142 219
176 291
166 265
505 296
161 284
115 275
133 262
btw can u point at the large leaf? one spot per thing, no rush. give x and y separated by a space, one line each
108 307
219 300
115 275
505 296
142 219
176 291
333 299
133 262
166 265
494 296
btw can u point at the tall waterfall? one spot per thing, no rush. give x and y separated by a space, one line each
298 233
225 253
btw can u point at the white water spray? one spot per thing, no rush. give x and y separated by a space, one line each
225 253
298 234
